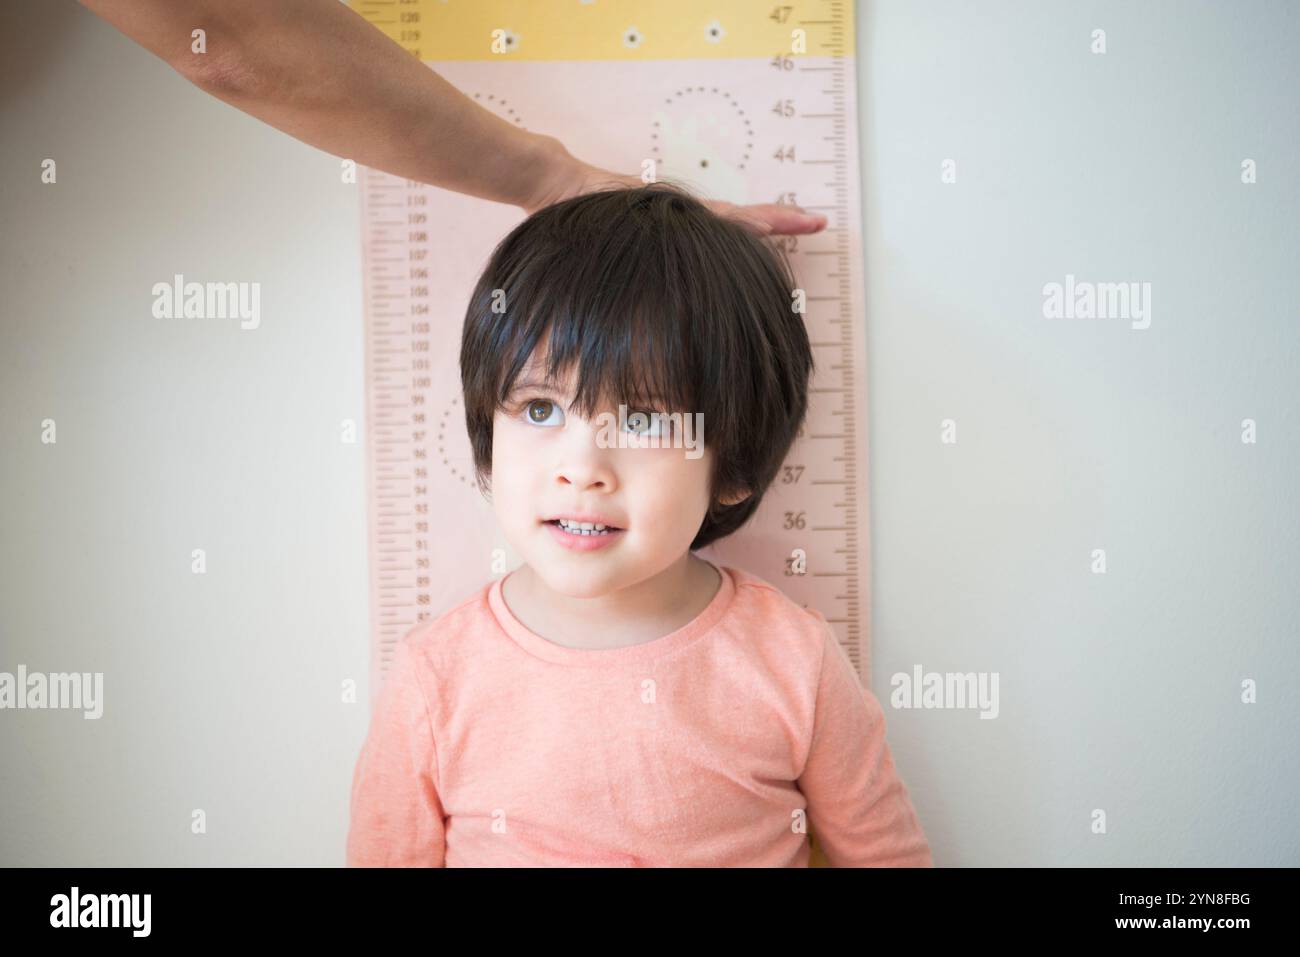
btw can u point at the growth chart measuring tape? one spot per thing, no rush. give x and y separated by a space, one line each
724 99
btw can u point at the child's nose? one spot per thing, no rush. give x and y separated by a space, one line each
584 461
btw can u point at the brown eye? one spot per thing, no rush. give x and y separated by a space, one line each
540 411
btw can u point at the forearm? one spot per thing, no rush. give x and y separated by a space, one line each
316 70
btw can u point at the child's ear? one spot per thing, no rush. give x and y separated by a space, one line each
733 498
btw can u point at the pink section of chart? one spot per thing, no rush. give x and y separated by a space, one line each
749 131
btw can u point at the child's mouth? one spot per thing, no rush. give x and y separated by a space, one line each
573 530
583 539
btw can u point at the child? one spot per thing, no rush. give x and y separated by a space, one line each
616 700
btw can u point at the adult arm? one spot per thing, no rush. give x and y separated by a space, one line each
317 70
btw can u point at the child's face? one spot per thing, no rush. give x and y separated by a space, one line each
548 462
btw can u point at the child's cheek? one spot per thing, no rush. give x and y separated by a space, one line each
663 484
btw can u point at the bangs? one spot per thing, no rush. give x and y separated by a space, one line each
613 323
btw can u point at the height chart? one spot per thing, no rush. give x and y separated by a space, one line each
740 101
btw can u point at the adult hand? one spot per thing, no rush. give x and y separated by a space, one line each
568 176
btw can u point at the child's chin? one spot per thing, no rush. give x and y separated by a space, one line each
576 583
573 574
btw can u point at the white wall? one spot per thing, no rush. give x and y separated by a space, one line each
1118 691
223 689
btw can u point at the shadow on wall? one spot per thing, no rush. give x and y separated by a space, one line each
36 39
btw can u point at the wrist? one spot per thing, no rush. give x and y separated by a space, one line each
553 174
560 175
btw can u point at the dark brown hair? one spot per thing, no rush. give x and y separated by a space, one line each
651 294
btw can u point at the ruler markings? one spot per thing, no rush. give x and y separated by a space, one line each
412 334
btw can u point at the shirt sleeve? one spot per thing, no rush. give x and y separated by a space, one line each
858 807
396 813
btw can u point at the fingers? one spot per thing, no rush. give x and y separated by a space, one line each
770 219
754 222
794 219
774 219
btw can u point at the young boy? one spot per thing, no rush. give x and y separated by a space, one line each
616 700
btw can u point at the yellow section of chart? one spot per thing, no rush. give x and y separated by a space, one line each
613 29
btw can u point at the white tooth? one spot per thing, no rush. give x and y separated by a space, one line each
584 528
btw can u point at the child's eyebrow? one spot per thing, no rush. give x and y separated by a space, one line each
532 384
550 387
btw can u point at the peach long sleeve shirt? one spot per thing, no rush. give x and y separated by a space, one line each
715 745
